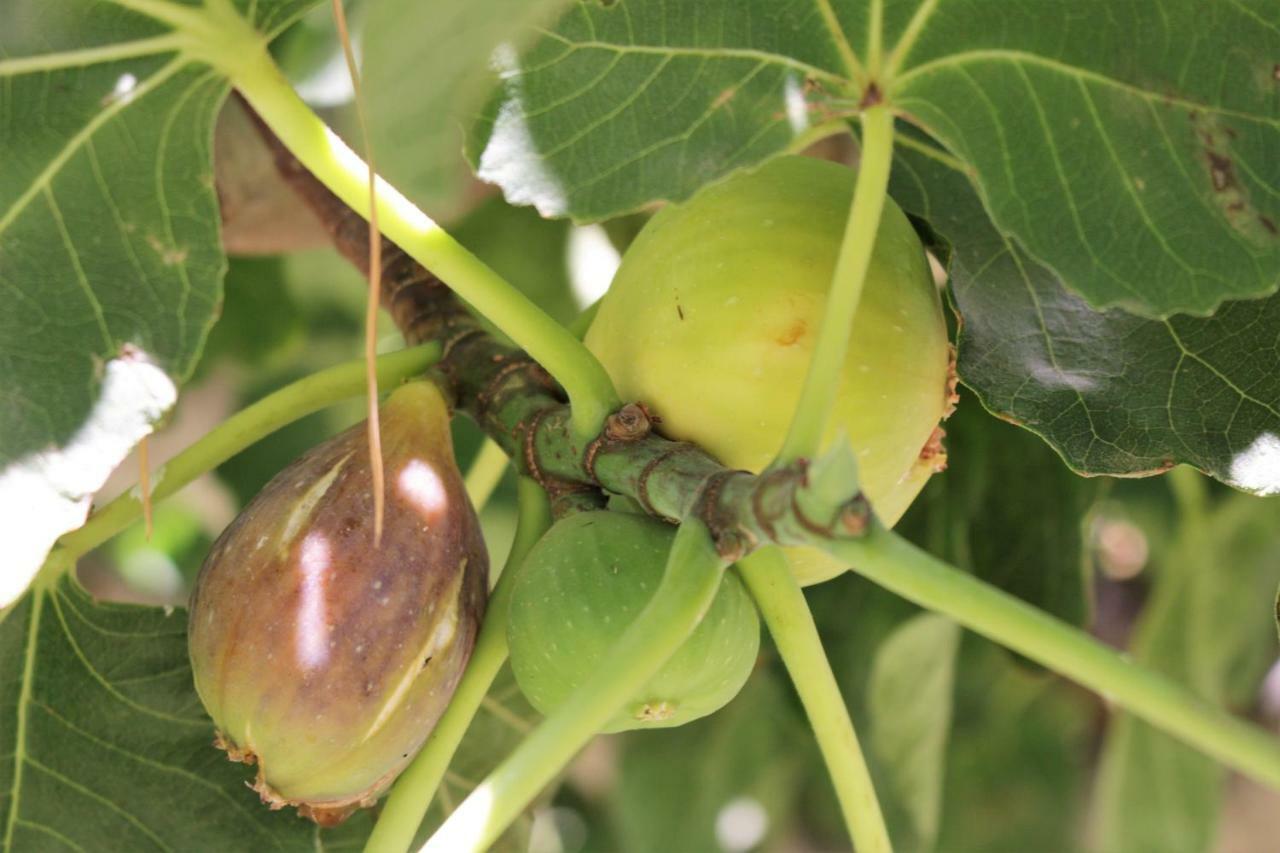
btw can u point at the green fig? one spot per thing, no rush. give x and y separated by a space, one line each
712 317
326 659
580 587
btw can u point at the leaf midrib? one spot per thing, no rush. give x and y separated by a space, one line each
24 703
77 141
170 42
901 84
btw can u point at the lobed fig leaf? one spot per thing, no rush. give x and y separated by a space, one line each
713 314
323 659
581 586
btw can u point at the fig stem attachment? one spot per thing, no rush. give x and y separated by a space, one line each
341 170
790 622
689 585
822 383
246 427
890 561
407 805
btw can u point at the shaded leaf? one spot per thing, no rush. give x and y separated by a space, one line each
109 257
1208 625
1112 392
1018 758
910 702
426 70
260 323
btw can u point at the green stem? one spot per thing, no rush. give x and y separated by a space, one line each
485 473
242 429
340 169
689 584
822 383
895 564
405 808
790 622
875 38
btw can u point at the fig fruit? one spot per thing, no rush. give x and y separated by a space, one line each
581 586
320 657
712 317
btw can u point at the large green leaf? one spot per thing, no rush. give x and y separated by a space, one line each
624 103
426 70
1208 624
1018 758
106 746
1112 392
909 695
110 265
1133 147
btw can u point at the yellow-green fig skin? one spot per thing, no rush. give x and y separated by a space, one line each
323 658
577 591
712 318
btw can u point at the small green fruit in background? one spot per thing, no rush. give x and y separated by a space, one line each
581 586
713 314
323 659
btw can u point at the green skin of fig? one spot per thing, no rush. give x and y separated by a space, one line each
326 660
581 586
713 314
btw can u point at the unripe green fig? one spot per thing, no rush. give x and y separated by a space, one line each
580 587
326 659
712 318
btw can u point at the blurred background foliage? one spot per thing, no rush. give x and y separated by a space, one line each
973 748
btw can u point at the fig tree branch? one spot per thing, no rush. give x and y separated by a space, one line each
344 174
524 411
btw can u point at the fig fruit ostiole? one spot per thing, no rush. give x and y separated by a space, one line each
712 317
580 587
321 658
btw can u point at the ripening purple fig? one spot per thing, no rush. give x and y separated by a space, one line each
326 660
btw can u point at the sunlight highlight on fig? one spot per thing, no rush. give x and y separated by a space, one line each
312 637
421 486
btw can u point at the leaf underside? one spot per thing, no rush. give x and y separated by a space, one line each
1112 392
